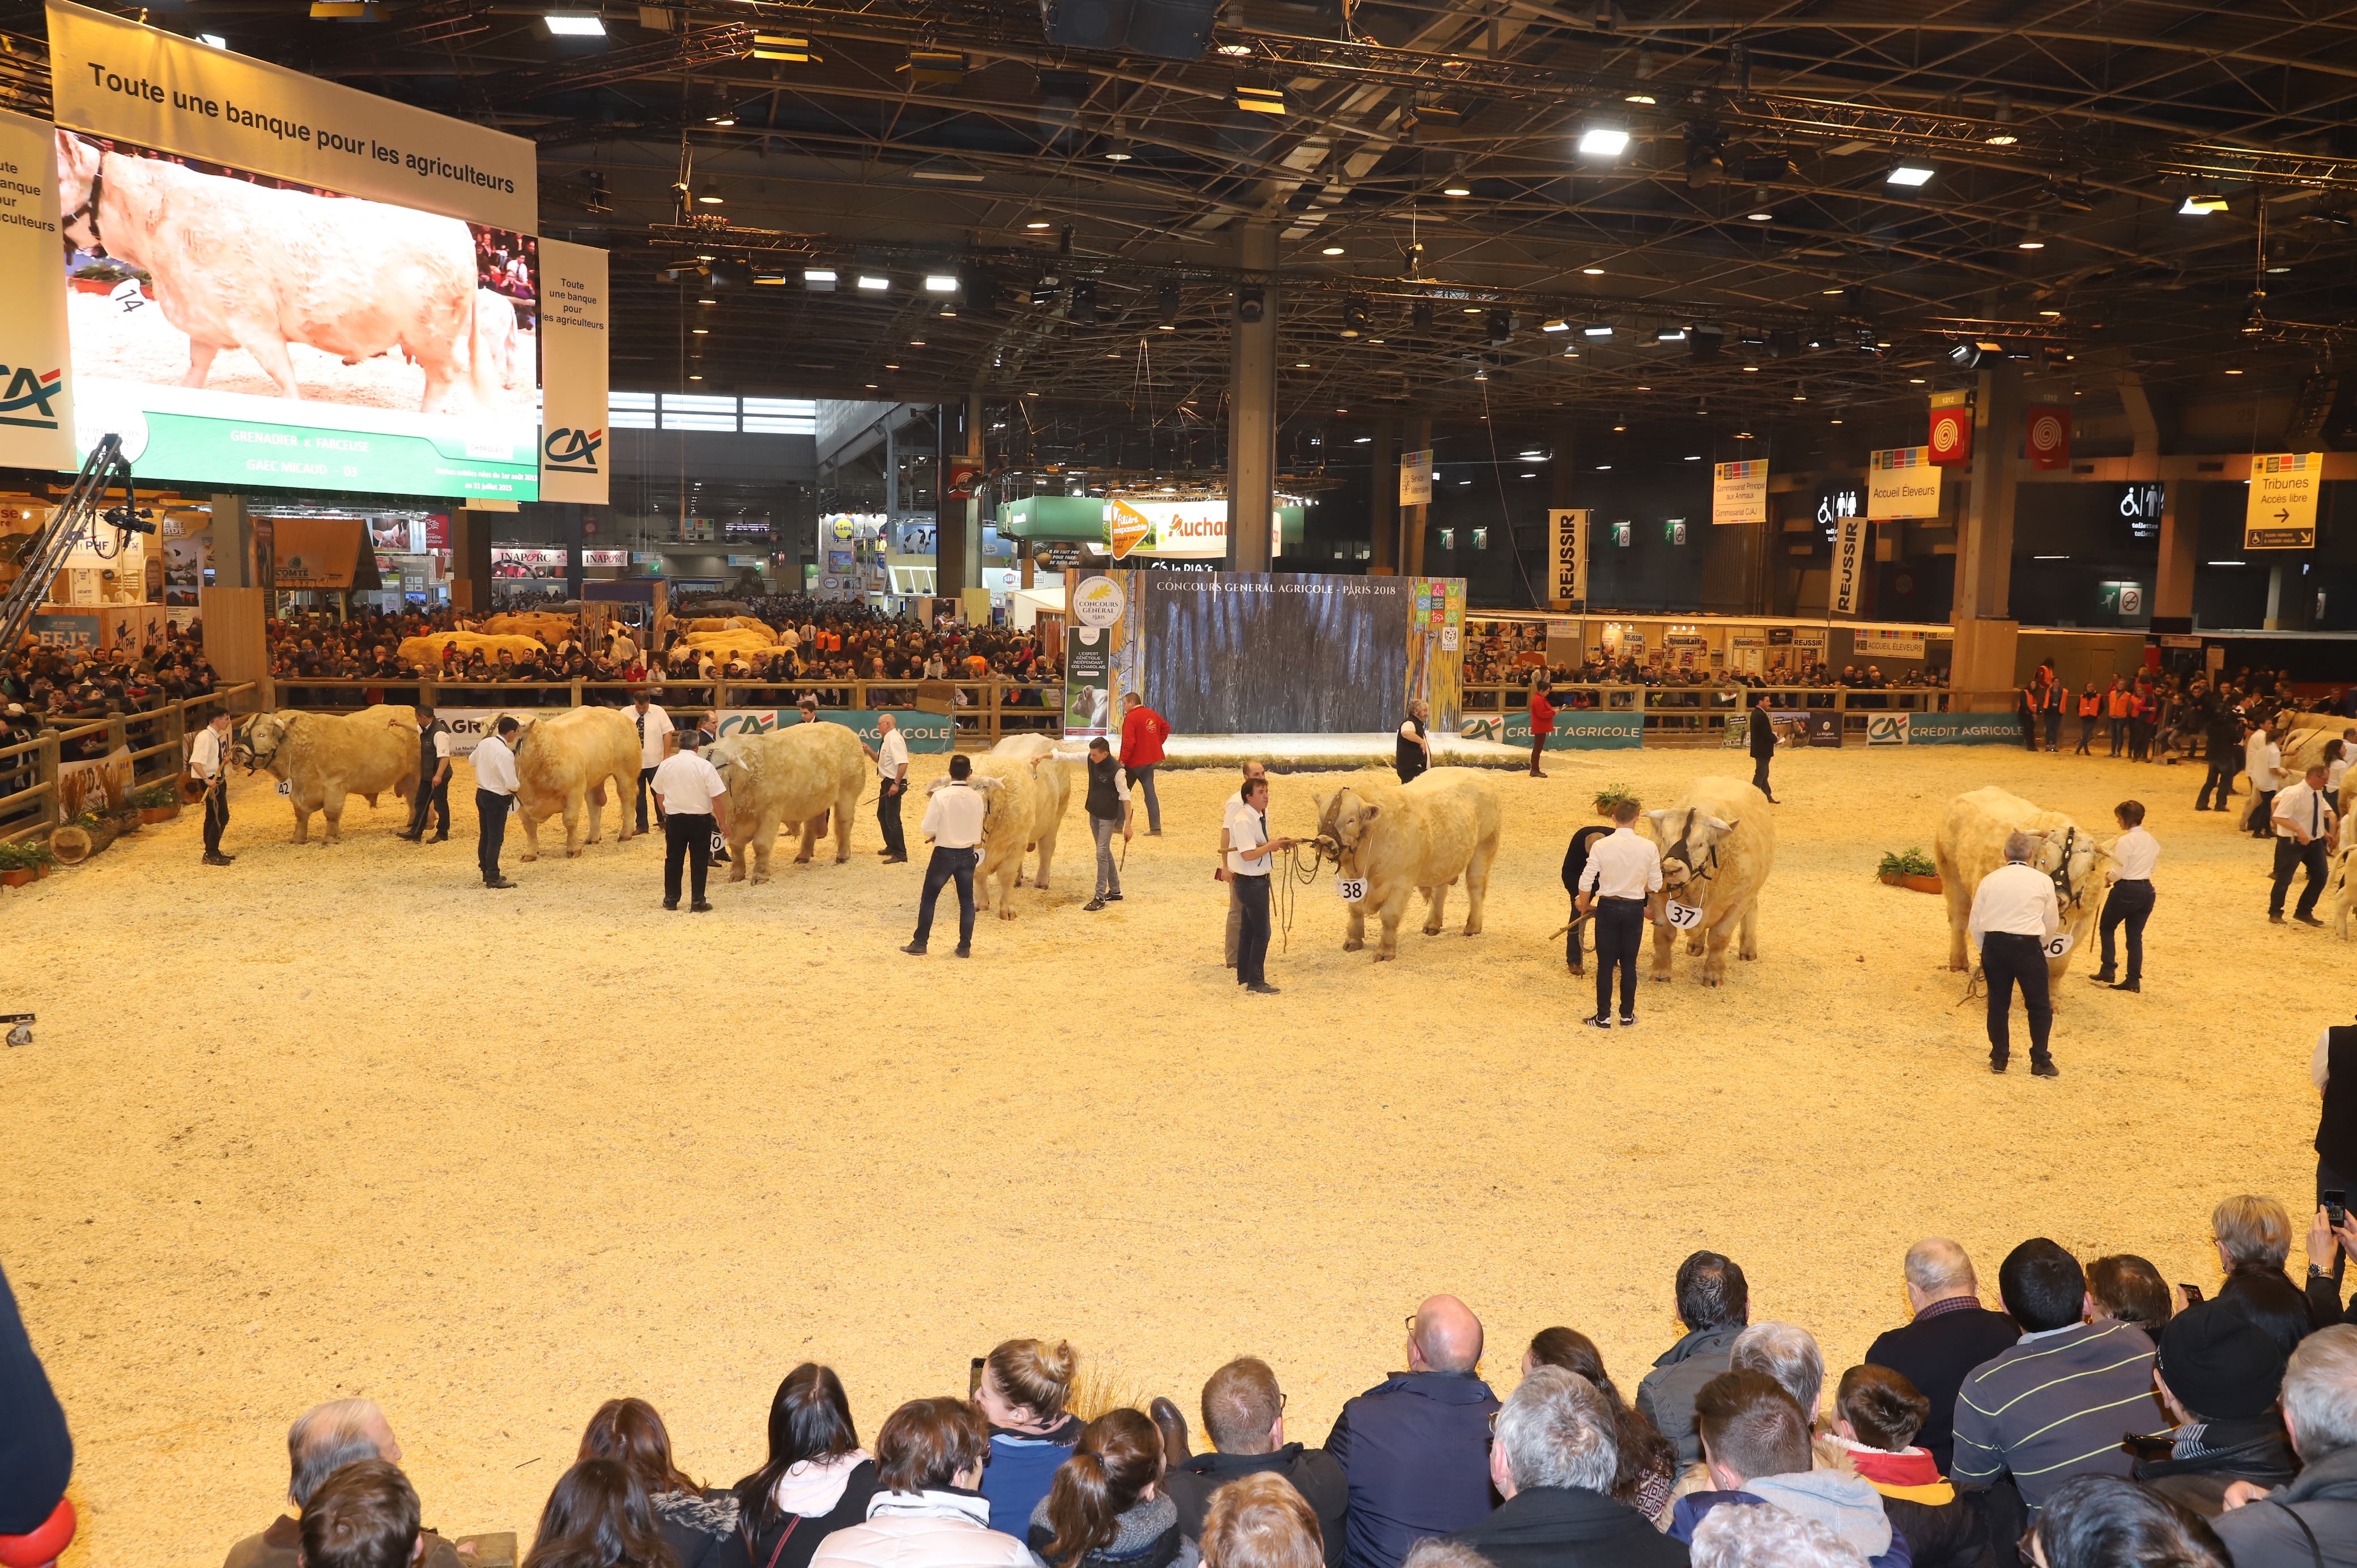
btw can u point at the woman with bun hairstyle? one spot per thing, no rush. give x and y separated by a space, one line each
1105 1509
1024 1385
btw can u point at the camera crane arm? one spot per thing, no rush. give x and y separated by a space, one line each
80 518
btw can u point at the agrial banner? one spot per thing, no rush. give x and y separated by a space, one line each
573 459
36 393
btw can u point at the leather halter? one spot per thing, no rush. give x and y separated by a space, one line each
1705 873
89 209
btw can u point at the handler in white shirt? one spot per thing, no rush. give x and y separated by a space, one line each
2134 855
1623 872
694 802
2263 760
205 758
1249 851
2305 827
654 734
495 788
954 819
2014 915
892 773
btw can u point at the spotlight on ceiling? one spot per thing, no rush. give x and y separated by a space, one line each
1603 141
1972 354
1500 323
1167 306
1116 148
1600 329
940 283
2201 206
562 24
819 280
1457 188
1556 325
1908 174
1671 335
2031 240
874 282
709 195
1760 206
1354 317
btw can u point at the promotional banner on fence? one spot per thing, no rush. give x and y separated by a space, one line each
1567 553
923 732
209 186
1849 563
35 401
1739 492
1901 483
1963 729
573 457
1576 729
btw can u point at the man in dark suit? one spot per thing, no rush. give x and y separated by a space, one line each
1762 746
1951 1334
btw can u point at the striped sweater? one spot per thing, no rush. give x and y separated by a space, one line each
2054 1406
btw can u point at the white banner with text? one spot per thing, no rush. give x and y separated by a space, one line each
573 457
35 399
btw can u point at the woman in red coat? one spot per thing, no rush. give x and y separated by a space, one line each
1542 722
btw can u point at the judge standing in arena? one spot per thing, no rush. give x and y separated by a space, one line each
1623 874
694 802
2014 914
495 787
205 763
433 778
2133 856
654 733
1762 743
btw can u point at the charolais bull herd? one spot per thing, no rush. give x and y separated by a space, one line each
1717 839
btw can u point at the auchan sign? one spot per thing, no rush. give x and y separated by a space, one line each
1183 528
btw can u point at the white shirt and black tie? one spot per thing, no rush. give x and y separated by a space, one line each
2303 824
655 730
495 787
1622 872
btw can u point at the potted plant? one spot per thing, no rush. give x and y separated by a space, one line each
158 804
19 864
1911 868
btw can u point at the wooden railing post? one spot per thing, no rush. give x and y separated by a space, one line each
49 770
577 694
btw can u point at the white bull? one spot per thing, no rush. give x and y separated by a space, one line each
240 265
796 777
1027 798
1970 844
1418 837
1719 844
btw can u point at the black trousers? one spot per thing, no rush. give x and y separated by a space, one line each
2290 856
2130 903
2053 728
687 837
431 798
216 814
2221 778
646 783
1759 775
491 830
948 866
1619 932
888 817
1252 947
2008 959
1572 955
2262 821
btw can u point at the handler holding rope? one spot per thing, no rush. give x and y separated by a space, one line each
1249 848
1623 874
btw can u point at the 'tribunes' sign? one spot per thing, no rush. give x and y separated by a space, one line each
2280 513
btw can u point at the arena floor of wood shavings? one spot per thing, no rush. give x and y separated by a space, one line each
339 1121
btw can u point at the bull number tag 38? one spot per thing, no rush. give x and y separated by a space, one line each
1684 917
2058 944
1349 889
285 786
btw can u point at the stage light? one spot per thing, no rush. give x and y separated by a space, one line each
1457 188
1330 250
1639 98
1556 325
1760 210
561 26
1671 335
819 280
1599 330
1603 141
1117 148
872 283
779 47
1354 317
213 39
710 195
940 283
1908 174
2031 240
2201 206
1593 272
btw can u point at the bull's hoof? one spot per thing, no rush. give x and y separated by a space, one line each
1712 980
805 860
530 858
759 878
737 873
1432 930
1662 979
1386 957
843 860
1747 957
573 854
1352 945
1472 930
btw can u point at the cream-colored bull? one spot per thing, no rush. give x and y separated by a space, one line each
544 626
1719 844
323 758
2340 892
1970 844
240 265
793 776
730 623
427 651
1027 795
562 765
1411 838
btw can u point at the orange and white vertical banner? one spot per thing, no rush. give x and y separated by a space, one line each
36 396
574 450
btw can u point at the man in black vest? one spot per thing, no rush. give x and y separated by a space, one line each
433 778
2222 736
1762 745
1411 749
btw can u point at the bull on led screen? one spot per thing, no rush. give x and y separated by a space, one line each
236 328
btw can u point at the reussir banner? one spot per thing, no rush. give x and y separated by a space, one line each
36 390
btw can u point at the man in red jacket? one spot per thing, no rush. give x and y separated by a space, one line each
1142 731
1542 722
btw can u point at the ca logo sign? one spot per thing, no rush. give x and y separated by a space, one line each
27 390
573 449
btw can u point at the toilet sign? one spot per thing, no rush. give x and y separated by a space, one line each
2280 512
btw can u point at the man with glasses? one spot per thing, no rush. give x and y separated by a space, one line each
1413 1447
1244 1414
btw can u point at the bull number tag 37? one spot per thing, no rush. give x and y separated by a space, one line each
2058 944
1684 917
1349 889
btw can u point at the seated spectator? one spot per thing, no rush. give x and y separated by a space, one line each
1648 1466
1025 1383
2219 1376
817 1480
1104 1508
2054 1405
1553 1460
1260 1522
2127 1289
1787 1354
1754 1444
2254 1238
1410 1447
2101 1521
698 1528
1714 1303
1244 1415
322 1441
1949 1335
363 1516
1877 1415
930 1457
598 1516
2314 1518
1769 1538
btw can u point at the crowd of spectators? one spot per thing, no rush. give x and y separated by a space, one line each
2160 715
2087 1419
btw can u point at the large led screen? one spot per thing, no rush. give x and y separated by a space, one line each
242 330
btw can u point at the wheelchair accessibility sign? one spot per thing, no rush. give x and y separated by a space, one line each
1886 729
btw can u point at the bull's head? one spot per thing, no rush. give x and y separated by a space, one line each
1348 818
260 742
78 185
2070 857
1689 840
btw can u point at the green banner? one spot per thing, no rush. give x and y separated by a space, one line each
1963 729
190 448
1576 729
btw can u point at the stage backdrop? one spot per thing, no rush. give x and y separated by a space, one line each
1266 652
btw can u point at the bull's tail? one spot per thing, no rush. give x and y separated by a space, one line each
486 355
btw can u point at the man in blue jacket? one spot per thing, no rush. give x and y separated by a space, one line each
36 1451
1415 1447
